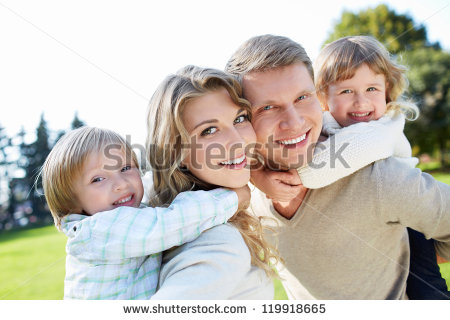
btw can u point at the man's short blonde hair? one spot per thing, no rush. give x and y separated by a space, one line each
65 163
265 52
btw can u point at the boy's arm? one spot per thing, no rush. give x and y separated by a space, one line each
414 199
128 232
351 148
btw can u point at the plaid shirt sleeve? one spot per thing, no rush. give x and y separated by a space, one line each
127 232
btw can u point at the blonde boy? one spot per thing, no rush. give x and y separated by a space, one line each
93 187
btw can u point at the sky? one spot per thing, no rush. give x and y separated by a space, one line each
104 59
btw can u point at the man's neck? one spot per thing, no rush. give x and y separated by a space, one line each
288 209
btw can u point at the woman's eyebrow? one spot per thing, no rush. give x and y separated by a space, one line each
204 122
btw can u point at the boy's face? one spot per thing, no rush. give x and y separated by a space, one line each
286 114
220 134
108 181
361 98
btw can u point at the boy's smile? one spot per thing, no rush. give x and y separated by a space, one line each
107 182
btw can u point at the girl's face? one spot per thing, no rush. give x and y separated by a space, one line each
108 180
361 98
220 138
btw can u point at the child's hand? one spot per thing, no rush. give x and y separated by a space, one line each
282 186
244 196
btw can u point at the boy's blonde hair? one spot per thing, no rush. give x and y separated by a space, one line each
339 60
65 163
265 52
167 140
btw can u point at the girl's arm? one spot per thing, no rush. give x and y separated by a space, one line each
351 148
127 232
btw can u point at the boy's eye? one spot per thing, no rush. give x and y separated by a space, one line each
126 168
208 131
241 118
97 179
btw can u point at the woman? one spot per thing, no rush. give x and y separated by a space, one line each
199 136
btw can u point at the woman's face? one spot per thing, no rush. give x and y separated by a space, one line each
220 138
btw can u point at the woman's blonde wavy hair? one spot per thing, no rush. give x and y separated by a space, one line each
167 136
339 60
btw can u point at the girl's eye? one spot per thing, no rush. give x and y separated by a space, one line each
371 89
98 179
346 91
208 131
126 168
241 118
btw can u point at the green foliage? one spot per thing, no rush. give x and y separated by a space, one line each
76 122
33 157
397 32
429 77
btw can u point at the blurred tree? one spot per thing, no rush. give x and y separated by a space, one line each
397 32
429 77
33 157
76 122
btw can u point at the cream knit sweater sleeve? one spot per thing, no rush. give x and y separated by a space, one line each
349 149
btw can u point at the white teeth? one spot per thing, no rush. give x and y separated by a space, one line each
123 200
293 141
360 114
234 161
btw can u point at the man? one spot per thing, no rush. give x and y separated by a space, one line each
347 240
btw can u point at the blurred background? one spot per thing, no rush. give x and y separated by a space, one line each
67 64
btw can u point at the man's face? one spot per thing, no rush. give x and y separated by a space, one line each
286 114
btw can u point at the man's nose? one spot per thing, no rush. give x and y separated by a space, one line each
291 119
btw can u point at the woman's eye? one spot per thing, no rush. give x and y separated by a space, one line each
98 179
208 131
126 168
241 118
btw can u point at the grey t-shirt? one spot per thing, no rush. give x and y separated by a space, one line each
349 241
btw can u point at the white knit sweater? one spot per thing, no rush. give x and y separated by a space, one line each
349 149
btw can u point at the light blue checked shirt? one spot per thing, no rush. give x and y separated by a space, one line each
116 254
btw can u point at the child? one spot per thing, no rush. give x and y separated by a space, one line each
357 82
93 187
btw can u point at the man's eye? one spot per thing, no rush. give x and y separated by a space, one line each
126 168
267 107
208 131
98 179
241 118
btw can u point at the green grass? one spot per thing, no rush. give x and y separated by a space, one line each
32 264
